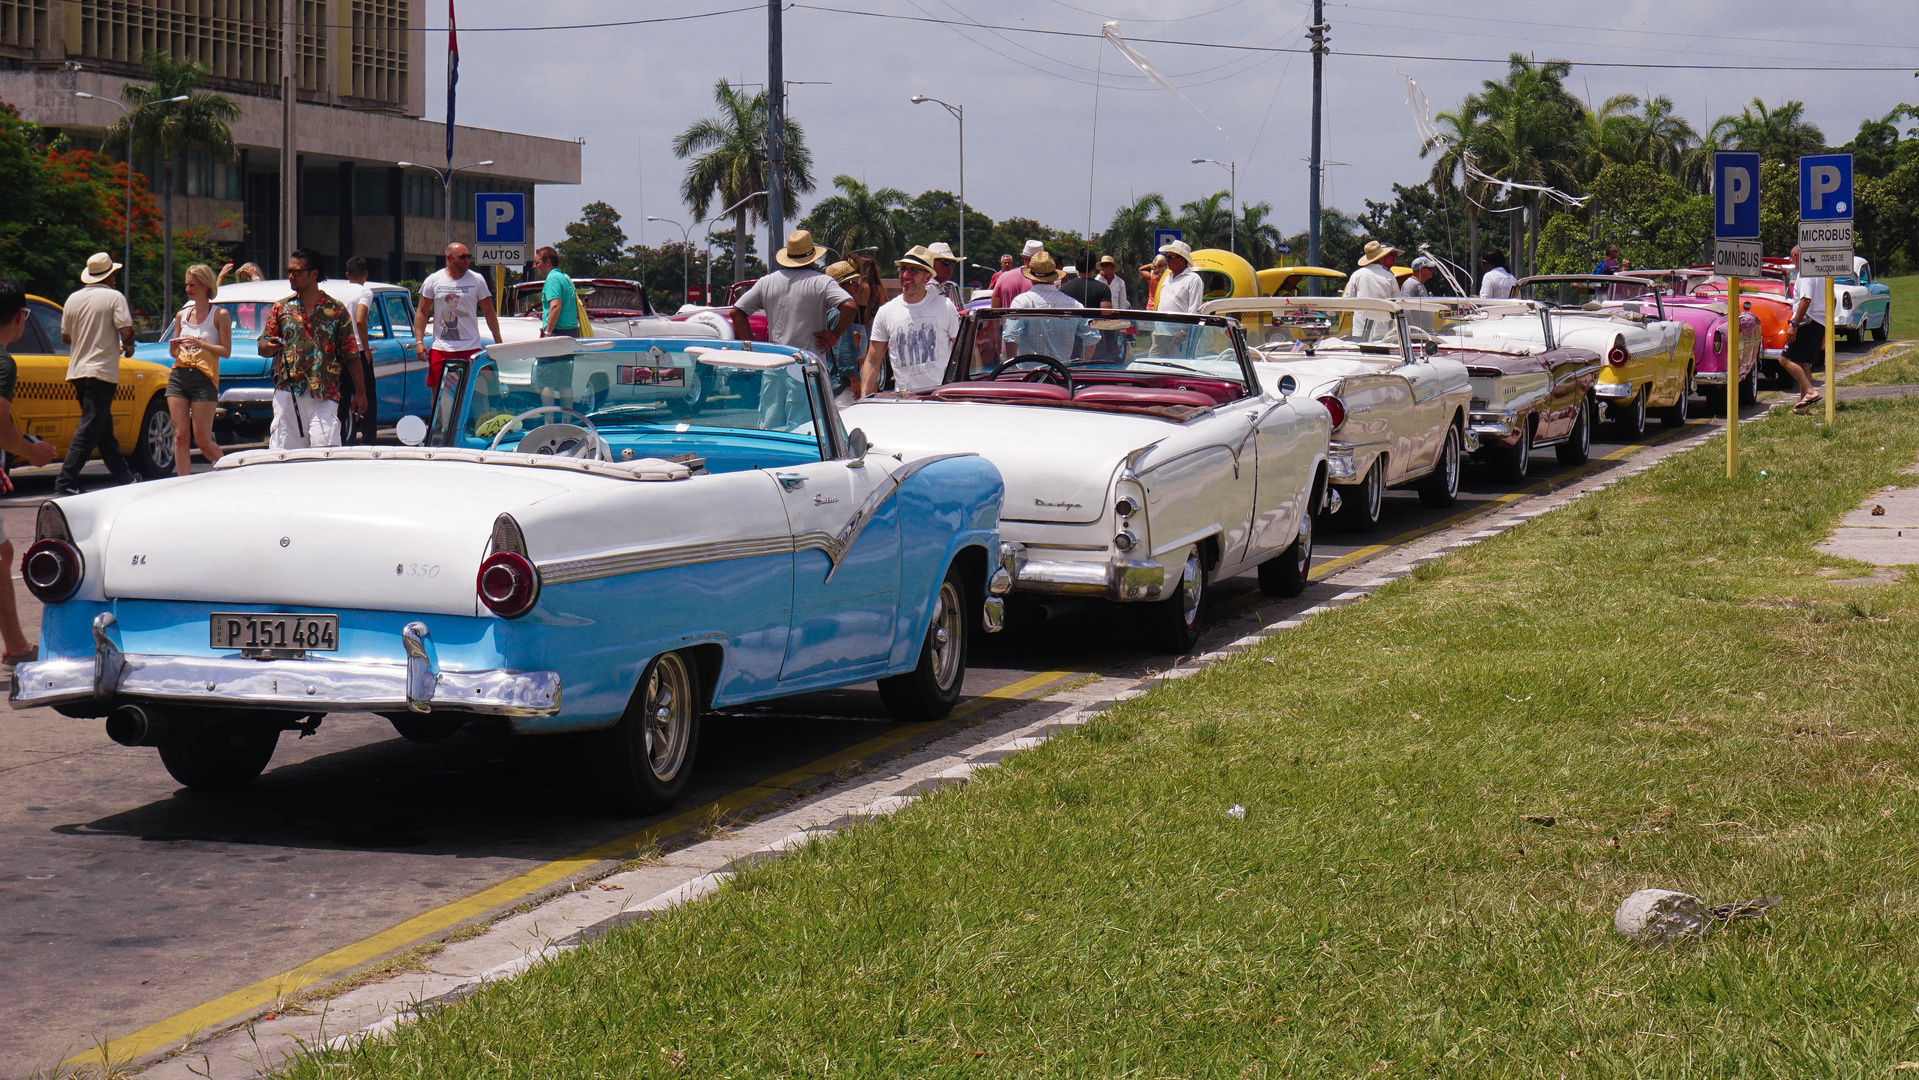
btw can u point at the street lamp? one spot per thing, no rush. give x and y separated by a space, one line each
446 182
709 243
1232 223
126 259
686 259
959 113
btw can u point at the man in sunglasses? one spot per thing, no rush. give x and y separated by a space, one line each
311 340
454 299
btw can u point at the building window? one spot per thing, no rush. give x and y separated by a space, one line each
23 24
369 192
379 50
320 192
238 40
420 196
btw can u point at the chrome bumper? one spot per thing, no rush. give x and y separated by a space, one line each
247 395
1114 579
1709 378
1617 390
1771 354
301 685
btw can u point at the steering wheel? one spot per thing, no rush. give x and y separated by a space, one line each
581 440
1065 373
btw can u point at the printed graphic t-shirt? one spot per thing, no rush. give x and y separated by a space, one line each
918 338
456 309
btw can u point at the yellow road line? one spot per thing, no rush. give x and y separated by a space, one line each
248 998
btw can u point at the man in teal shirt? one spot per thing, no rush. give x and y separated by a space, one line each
559 304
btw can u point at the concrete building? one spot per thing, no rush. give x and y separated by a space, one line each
362 95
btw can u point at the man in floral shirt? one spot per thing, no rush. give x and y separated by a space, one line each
310 337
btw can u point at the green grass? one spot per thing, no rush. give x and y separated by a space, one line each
1905 306
1902 369
1662 670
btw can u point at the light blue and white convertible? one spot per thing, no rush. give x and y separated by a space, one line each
570 551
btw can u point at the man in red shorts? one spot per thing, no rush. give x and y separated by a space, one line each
454 298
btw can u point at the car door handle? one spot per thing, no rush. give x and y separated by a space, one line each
791 481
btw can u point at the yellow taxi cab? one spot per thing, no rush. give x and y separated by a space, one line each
44 405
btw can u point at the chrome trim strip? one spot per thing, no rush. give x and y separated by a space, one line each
298 685
850 533
613 564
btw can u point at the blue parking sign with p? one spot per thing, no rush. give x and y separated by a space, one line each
1735 195
500 216
1825 187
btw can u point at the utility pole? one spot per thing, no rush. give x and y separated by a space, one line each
1317 35
289 150
775 127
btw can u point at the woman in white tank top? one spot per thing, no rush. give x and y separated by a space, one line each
202 337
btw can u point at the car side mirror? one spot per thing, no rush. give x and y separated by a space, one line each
411 430
1432 348
857 444
1287 386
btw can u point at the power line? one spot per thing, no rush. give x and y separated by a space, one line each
1501 60
1619 30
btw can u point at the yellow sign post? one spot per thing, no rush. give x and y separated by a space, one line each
1832 390
1732 377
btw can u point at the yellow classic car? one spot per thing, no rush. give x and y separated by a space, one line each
44 405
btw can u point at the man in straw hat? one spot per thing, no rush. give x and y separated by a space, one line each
1374 280
945 265
1115 283
1181 290
799 302
96 323
913 332
1060 339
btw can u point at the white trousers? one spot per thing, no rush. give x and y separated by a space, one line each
302 420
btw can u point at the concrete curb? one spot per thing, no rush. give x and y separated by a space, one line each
595 908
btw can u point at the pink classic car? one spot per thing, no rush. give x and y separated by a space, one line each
1707 317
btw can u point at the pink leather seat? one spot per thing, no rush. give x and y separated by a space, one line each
1142 396
999 390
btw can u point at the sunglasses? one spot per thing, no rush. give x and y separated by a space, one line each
292 270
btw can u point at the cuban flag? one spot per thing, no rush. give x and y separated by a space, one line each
452 77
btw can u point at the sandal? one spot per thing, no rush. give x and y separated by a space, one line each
1804 408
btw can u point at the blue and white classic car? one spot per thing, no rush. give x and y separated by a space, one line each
568 552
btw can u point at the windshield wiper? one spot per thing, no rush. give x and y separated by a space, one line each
1168 363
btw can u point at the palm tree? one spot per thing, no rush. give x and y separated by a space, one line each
1208 221
1606 135
171 127
733 163
1458 132
1527 133
1129 239
1259 239
1781 134
1661 137
861 217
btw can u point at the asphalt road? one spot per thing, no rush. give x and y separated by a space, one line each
125 899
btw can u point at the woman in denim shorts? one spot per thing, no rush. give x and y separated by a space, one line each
202 337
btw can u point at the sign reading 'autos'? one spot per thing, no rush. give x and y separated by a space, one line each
1735 213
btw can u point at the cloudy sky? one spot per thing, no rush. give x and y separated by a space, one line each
1033 148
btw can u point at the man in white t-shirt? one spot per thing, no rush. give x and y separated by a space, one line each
359 308
1807 346
913 332
460 297
1498 282
1181 290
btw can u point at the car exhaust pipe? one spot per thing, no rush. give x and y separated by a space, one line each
136 725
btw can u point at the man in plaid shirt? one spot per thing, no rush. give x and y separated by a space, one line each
310 337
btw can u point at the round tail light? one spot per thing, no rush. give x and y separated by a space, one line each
1617 355
52 570
508 584
1336 407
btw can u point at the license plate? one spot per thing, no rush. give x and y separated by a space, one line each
244 630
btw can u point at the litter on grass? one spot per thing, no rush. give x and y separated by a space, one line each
1237 812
